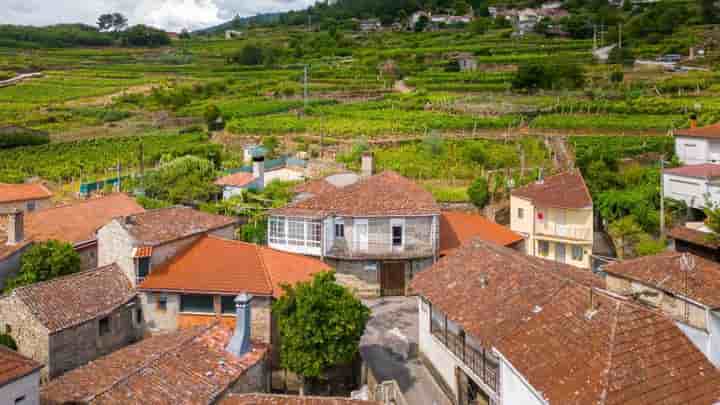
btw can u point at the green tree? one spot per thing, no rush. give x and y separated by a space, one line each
105 22
621 56
142 35
187 179
479 193
320 324
648 246
249 55
8 341
271 143
480 25
119 22
421 23
625 230
213 118
712 221
45 261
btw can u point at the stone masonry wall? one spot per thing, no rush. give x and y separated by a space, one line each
255 379
115 245
31 336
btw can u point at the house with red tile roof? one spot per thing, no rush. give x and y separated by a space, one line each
457 228
555 216
198 286
67 321
695 238
25 197
270 399
139 242
698 145
19 378
498 326
681 285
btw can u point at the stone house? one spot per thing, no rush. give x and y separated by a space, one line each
24 197
555 215
198 286
74 223
138 243
381 229
195 366
270 399
68 321
695 238
681 285
497 326
19 379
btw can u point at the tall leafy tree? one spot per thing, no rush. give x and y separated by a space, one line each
105 22
119 22
45 261
321 324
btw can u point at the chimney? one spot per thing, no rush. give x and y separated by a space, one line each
240 342
367 167
259 171
693 121
16 227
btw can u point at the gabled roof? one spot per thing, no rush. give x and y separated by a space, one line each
239 179
694 236
187 367
710 131
268 399
315 187
23 192
78 222
702 171
221 266
14 366
564 190
457 228
68 301
537 315
665 272
384 194
163 225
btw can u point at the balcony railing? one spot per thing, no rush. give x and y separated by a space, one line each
564 231
343 248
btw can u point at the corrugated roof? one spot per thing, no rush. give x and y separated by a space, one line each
665 272
163 225
221 266
457 228
187 367
68 301
564 190
13 366
535 313
23 192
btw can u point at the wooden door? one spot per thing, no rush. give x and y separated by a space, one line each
392 279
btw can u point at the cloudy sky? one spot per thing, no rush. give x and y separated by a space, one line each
172 15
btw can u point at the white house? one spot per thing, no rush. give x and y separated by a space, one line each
260 174
696 185
698 145
500 327
19 379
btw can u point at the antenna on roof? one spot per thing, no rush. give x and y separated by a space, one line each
687 265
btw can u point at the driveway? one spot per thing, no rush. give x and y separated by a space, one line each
416 382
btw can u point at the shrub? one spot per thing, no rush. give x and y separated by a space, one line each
213 118
11 137
8 341
479 193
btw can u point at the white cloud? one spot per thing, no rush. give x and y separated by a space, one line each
172 15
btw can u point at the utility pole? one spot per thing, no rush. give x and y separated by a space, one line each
594 37
305 88
662 197
620 35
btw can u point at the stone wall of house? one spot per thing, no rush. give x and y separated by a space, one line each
157 318
73 347
30 335
88 257
115 245
365 270
23 206
255 379
417 241
10 266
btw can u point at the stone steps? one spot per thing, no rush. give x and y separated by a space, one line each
360 288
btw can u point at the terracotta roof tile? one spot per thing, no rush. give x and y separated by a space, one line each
68 301
268 399
457 228
78 222
221 266
705 170
564 190
14 366
536 315
693 236
384 194
156 227
187 367
23 192
315 187
710 131
240 179
664 271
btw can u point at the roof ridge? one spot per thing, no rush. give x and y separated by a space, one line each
266 270
67 276
81 202
141 366
181 253
611 344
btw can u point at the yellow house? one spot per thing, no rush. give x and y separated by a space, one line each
555 216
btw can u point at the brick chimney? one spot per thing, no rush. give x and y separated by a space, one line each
259 171
693 121
240 342
15 227
367 167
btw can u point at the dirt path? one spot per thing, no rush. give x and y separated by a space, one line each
19 78
562 157
402 88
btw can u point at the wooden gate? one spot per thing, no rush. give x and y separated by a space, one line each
392 279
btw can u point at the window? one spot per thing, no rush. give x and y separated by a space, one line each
314 233
31 206
138 316
520 213
296 232
339 230
19 400
228 304
277 230
197 303
577 253
143 268
437 323
104 326
397 232
162 303
544 247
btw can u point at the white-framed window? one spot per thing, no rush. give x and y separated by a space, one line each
296 231
520 213
31 206
314 233
339 229
361 233
397 228
543 247
577 253
277 230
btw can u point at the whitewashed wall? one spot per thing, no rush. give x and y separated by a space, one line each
28 387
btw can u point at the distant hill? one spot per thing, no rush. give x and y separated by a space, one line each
240 23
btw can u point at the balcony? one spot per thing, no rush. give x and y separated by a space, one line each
343 249
573 232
